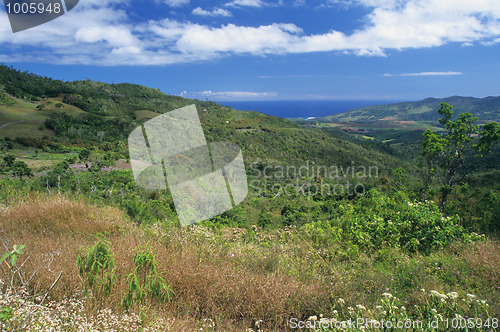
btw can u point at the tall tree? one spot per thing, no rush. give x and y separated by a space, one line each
450 151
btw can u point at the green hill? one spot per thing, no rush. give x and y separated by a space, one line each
423 111
88 112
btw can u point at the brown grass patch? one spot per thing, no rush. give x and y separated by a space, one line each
55 229
60 215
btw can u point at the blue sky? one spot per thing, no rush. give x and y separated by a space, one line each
271 49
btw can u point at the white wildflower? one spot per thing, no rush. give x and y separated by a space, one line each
452 295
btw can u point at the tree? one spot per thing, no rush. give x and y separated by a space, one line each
60 172
454 150
20 169
432 146
9 160
84 156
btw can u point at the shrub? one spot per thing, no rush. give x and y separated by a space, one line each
145 281
97 268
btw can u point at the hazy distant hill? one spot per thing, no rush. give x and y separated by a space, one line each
487 109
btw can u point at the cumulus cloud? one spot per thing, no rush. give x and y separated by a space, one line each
176 3
215 12
100 32
245 3
274 38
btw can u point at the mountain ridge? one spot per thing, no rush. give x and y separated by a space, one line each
422 111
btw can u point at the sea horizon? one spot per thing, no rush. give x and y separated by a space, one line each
302 108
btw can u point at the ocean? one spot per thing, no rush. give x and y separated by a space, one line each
302 108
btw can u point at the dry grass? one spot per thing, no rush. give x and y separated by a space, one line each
229 285
233 296
60 216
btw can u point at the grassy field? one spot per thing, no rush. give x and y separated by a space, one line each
231 279
25 119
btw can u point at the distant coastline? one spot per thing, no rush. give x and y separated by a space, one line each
306 109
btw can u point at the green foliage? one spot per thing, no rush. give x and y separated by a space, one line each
61 172
87 127
97 266
479 207
451 150
9 160
84 155
5 100
488 138
6 314
377 221
145 281
20 168
16 250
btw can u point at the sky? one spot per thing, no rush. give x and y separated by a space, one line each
271 49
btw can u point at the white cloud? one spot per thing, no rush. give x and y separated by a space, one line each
113 35
245 3
97 32
427 73
273 38
228 95
176 3
215 12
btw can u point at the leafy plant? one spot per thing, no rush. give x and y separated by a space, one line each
97 267
17 276
16 250
145 281
6 314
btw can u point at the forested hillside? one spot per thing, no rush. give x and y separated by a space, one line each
423 111
336 226
86 112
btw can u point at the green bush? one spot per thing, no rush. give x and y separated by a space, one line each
377 221
145 281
